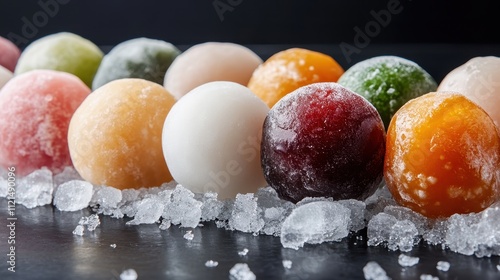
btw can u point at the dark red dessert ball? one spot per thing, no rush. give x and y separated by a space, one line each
323 140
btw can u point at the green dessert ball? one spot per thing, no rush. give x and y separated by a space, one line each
141 58
388 82
66 52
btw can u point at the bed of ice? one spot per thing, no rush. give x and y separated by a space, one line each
312 220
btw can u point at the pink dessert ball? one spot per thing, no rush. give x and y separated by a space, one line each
9 54
35 110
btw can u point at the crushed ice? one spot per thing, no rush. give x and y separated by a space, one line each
312 220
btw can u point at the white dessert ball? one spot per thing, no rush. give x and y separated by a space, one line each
211 139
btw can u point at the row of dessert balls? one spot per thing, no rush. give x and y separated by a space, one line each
217 118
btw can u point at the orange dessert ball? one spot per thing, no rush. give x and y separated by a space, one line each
443 156
115 135
290 69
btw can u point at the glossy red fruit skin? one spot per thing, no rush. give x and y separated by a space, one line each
323 140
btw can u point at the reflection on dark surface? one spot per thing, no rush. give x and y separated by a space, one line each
47 249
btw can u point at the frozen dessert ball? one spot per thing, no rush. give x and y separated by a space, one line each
291 69
211 139
35 111
209 62
478 80
9 54
388 82
64 52
115 135
141 58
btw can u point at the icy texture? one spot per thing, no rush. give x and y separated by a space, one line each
149 210
73 195
211 263
142 58
183 209
358 209
35 189
287 264
106 197
92 222
79 230
243 252
443 265
241 271
189 235
128 274
211 207
274 210
68 174
403 236
373 271
246 215
315 223
396 234
405 260
428 277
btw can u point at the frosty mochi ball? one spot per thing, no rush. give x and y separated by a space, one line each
211 139
388 82
323 140
35 111
142 58
208 62
115 135
478 80
65 52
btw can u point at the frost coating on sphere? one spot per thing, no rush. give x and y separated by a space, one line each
323 140
388 82
479 80
62 51
142 58
315 223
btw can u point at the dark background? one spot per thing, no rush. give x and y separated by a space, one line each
438 35
109 22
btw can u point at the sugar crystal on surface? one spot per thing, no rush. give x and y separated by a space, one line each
73 195
243 252
373 271
246 216
183 208
405 260
211 263
189 235
314 223
428 277
241 271
35 189
403 236
287 264
443 265
128 274
78 230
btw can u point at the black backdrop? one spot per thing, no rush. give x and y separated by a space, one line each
108 22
